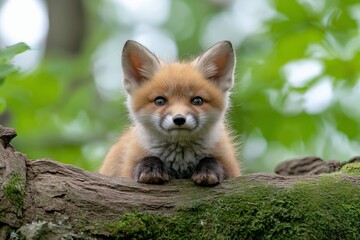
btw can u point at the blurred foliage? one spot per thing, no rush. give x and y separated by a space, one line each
6 55
59 112
6 67
329 34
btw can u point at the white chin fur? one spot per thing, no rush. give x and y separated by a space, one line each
158 126
167 124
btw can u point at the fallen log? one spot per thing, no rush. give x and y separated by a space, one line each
45 199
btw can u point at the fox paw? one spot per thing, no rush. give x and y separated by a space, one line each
208 172
151 170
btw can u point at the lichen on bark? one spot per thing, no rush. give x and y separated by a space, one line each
14 189
351 169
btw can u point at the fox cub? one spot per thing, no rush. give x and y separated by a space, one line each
178 113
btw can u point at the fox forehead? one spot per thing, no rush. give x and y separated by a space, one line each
179 80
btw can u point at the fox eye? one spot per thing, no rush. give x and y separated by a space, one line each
197 101
160 101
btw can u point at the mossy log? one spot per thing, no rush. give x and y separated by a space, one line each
45 199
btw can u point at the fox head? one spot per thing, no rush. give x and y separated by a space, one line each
181 100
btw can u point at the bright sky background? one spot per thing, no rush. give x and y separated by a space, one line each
24 21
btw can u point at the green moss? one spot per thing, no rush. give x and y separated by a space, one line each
135 225
14 190
351 169
328 208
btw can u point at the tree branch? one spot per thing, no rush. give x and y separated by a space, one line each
59 200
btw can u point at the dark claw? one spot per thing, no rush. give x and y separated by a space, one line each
151 170
208 172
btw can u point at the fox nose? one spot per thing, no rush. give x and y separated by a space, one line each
179 119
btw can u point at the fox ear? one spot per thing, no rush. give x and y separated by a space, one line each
218 64
138 64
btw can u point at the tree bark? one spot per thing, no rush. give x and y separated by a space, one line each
67 27
49 199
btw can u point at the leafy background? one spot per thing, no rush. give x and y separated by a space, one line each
297 87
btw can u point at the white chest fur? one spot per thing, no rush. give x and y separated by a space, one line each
180 155
180 158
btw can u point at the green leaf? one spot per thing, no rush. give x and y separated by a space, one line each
5 70
6 55
13 50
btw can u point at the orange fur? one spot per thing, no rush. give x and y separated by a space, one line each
178 83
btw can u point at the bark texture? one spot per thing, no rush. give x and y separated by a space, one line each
45 199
